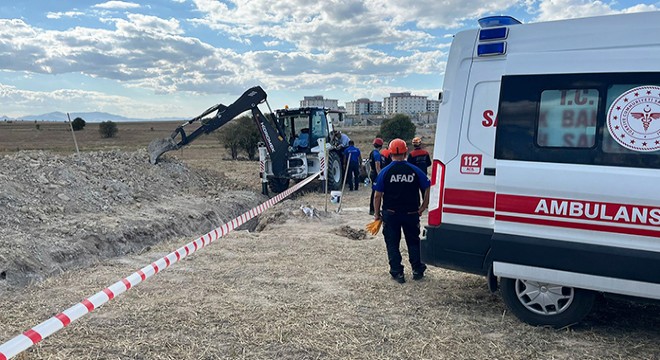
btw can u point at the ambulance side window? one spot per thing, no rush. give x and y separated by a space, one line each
606 119
567 118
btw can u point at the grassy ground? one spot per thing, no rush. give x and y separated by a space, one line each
299 289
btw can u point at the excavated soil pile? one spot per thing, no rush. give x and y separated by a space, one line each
62 212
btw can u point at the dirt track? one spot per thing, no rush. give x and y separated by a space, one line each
301 288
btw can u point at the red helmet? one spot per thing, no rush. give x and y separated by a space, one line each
398 147
378 141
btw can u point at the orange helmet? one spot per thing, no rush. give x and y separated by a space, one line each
398 147
417 141
378 141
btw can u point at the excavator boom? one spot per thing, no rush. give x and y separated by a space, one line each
248 101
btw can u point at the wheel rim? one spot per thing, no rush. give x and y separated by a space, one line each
336 171
543 298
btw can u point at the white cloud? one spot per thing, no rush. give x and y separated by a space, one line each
149 52
312 25
117 5
59 15
26 102
566 9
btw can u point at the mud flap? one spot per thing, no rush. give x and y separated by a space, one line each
160 146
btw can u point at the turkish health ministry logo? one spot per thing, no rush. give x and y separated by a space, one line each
634 119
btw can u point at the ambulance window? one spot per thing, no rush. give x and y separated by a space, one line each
567 118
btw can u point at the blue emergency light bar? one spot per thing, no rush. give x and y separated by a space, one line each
499 33
495 21
491 49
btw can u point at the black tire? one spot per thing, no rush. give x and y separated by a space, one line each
334 171
565 305
277 185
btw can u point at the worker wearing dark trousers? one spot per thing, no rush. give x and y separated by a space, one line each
397 189
353 165
419 156
375 164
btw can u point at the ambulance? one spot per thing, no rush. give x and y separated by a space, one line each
546 170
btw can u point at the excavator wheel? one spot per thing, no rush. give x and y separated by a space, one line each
334 171
277 185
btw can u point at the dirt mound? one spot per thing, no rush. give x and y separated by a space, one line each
351 233
61 212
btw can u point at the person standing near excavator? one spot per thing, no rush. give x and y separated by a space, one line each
419 157
398 189
375 165
353 159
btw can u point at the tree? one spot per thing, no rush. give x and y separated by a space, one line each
399 126
249 136
108 129
229 139
240 134
78 124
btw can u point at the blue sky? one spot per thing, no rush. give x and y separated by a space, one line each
164 58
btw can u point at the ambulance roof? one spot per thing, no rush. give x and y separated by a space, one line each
624 42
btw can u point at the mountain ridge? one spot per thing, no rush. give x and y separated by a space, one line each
92 117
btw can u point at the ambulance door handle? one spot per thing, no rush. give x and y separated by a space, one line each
489 171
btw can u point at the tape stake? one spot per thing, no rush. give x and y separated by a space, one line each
24 341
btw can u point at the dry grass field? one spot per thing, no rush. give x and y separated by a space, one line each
299 288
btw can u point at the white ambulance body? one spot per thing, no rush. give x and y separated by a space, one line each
546 169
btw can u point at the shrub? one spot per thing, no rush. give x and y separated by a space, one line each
78 124
399 126
229 139
249 136
240 134
108 129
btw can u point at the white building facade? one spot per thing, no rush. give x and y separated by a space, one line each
404 103
319 101
364 107
433 105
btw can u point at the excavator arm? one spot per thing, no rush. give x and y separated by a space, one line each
271 134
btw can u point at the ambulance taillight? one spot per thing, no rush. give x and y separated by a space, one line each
437 193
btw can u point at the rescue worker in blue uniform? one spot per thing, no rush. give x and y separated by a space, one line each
353 177
375 165
398 191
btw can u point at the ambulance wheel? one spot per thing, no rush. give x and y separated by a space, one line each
277 185
334 171
544 304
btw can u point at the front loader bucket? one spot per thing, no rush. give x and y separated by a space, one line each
160 146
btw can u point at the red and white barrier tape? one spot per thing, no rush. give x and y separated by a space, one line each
30 337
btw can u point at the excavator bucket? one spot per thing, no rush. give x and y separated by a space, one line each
160 146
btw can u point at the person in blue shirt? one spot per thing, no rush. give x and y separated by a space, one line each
398 191
302 140
353 164
375 164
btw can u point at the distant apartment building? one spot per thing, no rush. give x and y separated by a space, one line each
433 105
364 107
319 101
404 103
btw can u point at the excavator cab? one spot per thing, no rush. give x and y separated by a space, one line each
303 127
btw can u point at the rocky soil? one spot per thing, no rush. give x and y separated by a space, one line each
64 212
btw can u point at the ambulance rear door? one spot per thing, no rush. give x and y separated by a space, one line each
468 202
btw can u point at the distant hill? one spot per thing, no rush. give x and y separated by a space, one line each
92 117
